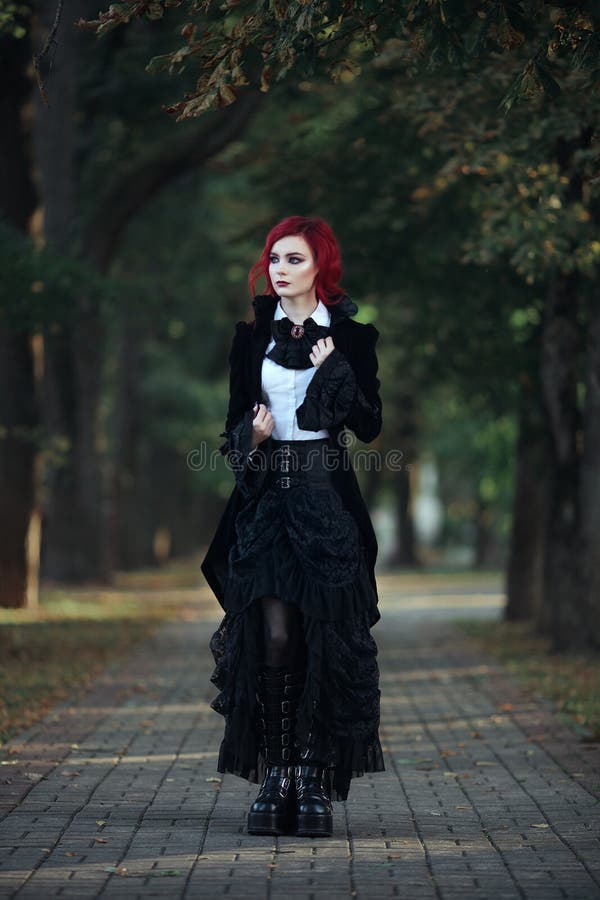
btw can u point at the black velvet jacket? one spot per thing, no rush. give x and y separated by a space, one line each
343 392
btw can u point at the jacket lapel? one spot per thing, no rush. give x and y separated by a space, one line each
264 310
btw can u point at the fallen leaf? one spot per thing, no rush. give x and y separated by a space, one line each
101 821
72 853
117 870
100 840
539 825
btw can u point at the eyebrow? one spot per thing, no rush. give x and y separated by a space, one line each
293 253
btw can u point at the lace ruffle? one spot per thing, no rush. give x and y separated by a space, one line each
249 477
338 395
340 702
305 547
329 395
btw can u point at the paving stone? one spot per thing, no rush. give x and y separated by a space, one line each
487 794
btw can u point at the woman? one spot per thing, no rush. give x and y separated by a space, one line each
292 560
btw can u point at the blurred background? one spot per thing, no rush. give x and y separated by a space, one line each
462 182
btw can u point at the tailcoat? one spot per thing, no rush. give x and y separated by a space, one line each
343 394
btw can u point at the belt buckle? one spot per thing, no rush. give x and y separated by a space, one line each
284 481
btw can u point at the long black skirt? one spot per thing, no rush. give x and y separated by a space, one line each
298 542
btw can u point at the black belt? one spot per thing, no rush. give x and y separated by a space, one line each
297 463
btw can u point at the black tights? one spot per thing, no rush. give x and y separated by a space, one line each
283 634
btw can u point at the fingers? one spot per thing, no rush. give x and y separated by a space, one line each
321 350
263 417
262 409
323 344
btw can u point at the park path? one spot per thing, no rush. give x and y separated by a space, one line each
486 794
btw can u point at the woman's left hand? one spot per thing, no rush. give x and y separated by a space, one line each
321 350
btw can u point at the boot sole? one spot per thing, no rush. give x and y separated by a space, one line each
314 826
269 823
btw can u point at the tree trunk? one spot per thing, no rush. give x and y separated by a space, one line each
17 470
484 544
19 536
74 538
590 475
525 563
562 579
405 554
133 479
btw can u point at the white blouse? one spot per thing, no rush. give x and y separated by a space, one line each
283 390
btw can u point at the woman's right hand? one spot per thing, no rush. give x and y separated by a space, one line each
262 424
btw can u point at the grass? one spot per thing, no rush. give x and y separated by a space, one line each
55 650
570 679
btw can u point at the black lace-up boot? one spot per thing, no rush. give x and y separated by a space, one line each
314 810
274 810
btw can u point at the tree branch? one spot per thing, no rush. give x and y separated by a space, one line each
38 57
143 178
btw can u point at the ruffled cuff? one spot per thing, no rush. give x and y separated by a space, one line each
238 449
330 394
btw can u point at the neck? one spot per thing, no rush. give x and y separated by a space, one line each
298 308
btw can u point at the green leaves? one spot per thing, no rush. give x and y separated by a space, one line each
12 18
328 39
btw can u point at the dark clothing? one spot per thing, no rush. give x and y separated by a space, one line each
332 401
296 527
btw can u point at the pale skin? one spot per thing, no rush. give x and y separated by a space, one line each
291 260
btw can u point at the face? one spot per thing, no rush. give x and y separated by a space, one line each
291 260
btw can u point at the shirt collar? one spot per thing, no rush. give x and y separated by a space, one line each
321 315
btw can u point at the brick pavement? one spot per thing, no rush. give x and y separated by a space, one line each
486 794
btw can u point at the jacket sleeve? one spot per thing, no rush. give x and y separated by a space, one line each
240 416
342 394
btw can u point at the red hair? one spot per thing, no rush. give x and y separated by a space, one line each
322 241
